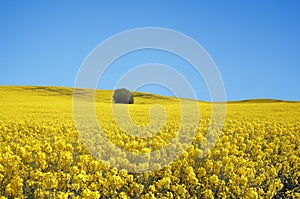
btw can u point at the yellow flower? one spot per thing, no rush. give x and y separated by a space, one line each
243 180
201 172
214 179
88 194
251 194
48 149
123 195
8 189
228 169
152 188
208 194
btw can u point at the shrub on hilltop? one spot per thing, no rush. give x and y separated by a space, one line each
123 96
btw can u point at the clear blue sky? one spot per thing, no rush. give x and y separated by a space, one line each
255 44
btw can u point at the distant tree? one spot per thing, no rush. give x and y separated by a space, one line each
123 96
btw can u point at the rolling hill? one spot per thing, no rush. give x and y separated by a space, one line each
130 151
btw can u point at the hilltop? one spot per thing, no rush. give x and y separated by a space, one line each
102 96
45 144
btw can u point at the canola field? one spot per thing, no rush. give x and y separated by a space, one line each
257 154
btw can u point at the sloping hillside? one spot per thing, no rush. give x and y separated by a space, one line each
49 151
23 93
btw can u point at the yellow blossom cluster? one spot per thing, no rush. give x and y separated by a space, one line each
42 155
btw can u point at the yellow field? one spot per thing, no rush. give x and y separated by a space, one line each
42 155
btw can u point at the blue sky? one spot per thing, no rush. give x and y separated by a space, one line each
255 44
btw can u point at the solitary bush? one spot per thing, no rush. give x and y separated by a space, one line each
123 96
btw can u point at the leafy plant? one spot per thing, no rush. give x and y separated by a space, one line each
123 96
